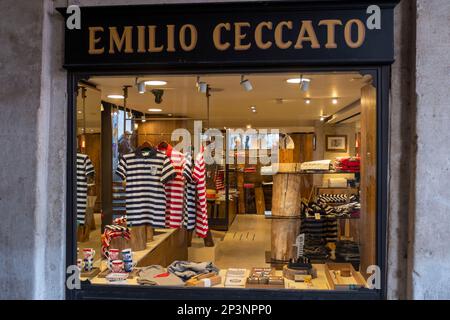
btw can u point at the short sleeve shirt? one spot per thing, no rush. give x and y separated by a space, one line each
146 173
84 170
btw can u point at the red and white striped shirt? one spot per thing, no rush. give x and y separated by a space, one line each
174 188
199 176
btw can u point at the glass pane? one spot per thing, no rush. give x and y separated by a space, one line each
269 187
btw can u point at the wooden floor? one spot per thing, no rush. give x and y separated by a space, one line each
245 244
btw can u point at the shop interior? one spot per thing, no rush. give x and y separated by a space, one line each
306 220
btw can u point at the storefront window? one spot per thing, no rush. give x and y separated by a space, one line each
264 180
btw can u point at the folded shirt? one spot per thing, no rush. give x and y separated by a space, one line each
186 270
320 165
157 275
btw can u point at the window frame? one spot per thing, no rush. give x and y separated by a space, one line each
381 80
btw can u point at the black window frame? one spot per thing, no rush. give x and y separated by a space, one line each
381 80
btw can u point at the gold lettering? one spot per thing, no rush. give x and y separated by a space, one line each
141 39
152 40
93 41
258 35
331 31
193 43
170 38
239 36
307 33
118 42
279 34
222 46
348 33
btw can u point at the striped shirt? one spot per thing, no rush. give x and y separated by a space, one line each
84 169
145 174
196 214
175 188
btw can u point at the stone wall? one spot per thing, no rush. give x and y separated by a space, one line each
430 253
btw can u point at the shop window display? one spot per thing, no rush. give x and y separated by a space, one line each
213 184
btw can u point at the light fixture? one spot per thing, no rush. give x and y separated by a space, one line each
322 118
115 96
80 112
246 84
293 80
249 126
304 84
169 114
334 101
155 83
308 101
202 86
143 119
154 110
141 87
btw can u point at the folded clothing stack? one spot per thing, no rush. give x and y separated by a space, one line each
156 275
348 251
315 250
186 269
347 164
318 165
349 210
318 222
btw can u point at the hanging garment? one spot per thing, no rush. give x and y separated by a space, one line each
195 207
146 173
84 170
174 188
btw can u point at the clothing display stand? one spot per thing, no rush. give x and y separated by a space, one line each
138 238
286 204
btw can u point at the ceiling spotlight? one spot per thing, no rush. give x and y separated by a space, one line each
169 114
154 110
304 84
80 112
141 87
158 93
308 101
155 83
334 101
202 87
246 84
115 96
322 118
249 126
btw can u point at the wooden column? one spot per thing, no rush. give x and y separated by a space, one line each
106 166
368 184
286 202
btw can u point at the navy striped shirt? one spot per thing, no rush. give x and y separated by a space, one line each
84 169
145 173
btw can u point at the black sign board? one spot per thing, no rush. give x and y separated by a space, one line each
233 34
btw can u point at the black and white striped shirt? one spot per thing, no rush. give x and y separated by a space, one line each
84 169
145 173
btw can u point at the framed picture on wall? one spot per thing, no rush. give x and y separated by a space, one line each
336 143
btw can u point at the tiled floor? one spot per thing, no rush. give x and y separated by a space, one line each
245 244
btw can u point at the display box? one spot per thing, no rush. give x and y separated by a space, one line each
342 276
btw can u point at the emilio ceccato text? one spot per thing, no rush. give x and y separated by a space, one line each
237 36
